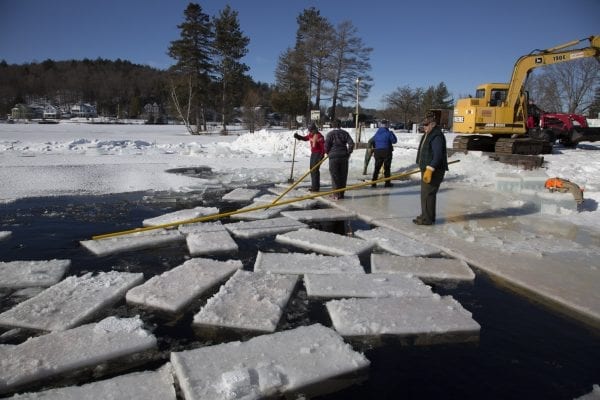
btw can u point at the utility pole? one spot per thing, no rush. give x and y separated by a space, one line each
357 133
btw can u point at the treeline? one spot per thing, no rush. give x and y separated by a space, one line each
116 87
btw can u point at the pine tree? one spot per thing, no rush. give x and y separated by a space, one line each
289 96
194 55
230 46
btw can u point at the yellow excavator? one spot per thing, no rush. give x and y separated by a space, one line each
496 119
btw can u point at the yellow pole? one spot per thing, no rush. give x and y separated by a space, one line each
300 180
261 207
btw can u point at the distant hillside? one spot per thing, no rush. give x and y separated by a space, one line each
114 86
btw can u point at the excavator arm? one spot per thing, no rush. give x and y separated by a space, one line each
540 58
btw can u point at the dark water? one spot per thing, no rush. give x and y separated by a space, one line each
524 350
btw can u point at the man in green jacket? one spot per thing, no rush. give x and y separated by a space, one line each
432 159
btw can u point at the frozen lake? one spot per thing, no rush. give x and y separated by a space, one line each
523 350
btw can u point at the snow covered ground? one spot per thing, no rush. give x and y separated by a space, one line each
78 158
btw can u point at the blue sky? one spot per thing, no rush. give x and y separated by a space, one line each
419 44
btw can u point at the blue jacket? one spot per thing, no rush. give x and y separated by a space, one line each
383 139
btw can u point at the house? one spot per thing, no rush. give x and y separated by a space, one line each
24 111
51 112
83 110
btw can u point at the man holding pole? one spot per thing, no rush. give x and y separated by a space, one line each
432 160
317 151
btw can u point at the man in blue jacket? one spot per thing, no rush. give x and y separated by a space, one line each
381 143
432 159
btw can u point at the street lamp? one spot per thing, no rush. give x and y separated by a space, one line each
356 124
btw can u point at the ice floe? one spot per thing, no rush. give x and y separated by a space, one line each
267 365
427 269
240 195
429 318
396 243
364 285
251 212
300 263
178 287
21 274
146 385
180 216
264 227
132 241
60 352
70 302
325 242
324 214
5 234
206 238
252 301
293 197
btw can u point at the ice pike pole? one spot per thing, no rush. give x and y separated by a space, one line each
260 207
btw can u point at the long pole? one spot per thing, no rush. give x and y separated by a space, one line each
300 180
261 207
293 160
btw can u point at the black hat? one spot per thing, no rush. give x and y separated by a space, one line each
313 128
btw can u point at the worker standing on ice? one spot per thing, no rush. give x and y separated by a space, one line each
317 152
338 146
432 160
382 144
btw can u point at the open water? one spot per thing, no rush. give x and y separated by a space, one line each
524 350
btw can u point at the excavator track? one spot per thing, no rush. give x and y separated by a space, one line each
507 151
525 146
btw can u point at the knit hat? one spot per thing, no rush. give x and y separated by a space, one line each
429 117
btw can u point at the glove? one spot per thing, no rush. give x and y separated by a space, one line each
298 137
427 174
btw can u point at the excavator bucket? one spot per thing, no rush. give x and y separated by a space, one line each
588 134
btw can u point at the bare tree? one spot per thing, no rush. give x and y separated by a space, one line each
566 87
350 61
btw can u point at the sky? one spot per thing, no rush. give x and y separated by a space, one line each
415 44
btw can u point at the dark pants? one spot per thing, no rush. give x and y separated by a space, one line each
315 175
383 157
338 169
429 195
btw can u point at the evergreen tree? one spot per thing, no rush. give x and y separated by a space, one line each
314 41
194 55
230 46
289 96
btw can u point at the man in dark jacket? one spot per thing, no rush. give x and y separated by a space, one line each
432 159
338 146
381 143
